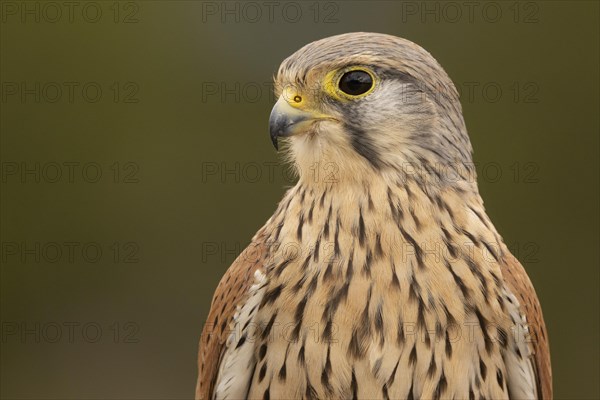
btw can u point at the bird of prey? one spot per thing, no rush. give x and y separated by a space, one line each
380 275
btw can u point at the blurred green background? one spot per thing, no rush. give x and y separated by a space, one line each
136 163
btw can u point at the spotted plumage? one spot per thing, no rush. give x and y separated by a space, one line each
379 276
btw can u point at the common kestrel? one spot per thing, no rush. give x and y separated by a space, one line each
380 275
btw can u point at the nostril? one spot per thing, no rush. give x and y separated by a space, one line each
297 99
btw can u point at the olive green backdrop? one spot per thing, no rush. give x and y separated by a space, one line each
136 163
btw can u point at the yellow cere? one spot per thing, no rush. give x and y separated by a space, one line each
293 98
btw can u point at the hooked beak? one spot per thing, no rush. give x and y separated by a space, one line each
288 121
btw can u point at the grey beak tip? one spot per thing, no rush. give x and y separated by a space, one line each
283 121
274 132
274 141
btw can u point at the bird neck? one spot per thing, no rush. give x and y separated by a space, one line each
340 172
379 215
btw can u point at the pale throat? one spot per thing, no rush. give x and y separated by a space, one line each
326 160
338 203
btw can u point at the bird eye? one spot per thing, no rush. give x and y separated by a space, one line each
356 82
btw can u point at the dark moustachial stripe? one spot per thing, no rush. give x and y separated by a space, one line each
363 146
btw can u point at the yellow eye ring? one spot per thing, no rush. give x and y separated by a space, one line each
350 83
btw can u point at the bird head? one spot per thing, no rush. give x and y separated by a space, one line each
370 104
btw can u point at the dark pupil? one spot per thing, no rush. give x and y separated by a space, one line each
356 82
